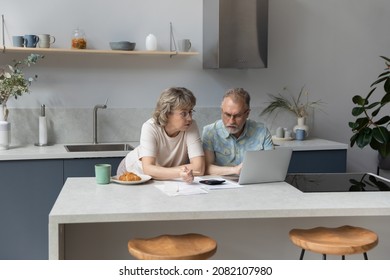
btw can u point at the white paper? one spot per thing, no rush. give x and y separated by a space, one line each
176 188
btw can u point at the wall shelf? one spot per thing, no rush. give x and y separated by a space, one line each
91 51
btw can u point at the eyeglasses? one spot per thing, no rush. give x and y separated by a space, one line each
236 116
185 114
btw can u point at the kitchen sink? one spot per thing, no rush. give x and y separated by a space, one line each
98 147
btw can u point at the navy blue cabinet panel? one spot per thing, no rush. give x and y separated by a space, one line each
323 161
28 191
86 167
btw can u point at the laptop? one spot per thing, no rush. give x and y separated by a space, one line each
264 166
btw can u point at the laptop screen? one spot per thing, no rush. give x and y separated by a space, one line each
265 166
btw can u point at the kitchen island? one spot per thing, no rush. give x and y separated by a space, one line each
91 221
45 169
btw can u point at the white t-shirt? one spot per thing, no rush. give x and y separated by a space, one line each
168 151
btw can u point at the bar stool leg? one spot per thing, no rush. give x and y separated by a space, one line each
365 255
324 256
343 257
302 254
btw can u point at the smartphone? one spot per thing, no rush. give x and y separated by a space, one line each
212 182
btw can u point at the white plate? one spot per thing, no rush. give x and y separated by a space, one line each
144 178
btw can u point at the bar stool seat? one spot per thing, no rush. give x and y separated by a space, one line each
189 246
344 240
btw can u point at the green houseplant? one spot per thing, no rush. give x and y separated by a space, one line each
286 101
298 105
370 127
13 82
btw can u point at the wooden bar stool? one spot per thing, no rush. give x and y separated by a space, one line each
345 240
189 246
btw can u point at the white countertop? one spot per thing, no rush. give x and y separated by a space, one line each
312 144
57 151
83 201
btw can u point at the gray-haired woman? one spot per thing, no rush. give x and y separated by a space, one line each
170 144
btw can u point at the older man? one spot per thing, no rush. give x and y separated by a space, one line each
225 141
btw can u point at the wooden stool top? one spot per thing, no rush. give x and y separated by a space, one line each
345 240
189 246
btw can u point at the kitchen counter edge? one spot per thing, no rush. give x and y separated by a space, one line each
58 151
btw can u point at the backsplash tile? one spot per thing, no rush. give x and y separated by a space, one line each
74 125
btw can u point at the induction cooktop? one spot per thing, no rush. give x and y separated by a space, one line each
338 182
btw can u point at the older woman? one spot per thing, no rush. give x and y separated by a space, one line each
170 145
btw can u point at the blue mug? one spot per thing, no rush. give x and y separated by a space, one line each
31 41
18 41
300 134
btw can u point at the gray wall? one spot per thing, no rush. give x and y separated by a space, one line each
332 47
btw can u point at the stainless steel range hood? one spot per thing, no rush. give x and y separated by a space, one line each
235 33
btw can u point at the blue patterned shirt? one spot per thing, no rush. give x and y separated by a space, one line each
229 150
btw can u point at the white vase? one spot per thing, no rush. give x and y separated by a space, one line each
301 124
151 43
5 135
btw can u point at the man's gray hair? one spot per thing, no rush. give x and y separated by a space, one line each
237 94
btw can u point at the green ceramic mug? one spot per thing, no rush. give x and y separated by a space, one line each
103 173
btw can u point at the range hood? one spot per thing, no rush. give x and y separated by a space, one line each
235 33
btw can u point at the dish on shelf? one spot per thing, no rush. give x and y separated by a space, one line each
282 139
144 178
122 46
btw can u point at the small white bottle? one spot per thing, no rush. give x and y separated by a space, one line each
42 127
151 43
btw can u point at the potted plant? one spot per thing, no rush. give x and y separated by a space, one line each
299 105
371 127
13 84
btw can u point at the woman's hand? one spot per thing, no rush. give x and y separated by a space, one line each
187 175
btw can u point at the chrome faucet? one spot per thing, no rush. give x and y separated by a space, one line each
95 109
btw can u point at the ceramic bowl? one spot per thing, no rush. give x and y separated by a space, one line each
122 46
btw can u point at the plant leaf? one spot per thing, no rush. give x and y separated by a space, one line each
352 140
381 134
384 73
384 150
383 120
386 98
357 111
369 94
362 122
385 58
386 86
364 138
379 81
353 125
357 99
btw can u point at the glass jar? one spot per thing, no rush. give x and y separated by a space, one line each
78 39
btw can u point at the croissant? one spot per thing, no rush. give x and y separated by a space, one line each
129 176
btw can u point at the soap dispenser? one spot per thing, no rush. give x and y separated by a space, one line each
42 141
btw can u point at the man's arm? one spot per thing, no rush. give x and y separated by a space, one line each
213 169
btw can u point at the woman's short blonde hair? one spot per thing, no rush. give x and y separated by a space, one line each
171 99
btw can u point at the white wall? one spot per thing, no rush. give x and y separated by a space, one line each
332 47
